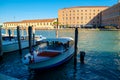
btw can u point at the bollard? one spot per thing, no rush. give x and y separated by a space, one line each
1 52
75 47
19 40
82 55
9 32
30 38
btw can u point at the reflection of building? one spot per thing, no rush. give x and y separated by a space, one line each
38 24
111 16
81 16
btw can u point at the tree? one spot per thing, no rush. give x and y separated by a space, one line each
1 25
56 23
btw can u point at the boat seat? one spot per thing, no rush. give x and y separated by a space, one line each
48 54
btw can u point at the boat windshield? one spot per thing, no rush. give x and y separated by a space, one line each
53 45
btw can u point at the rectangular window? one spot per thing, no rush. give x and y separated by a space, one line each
81 18
66 18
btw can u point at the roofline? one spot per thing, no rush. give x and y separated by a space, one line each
38 19
22 21
85 7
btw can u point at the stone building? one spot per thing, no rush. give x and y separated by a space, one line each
37 24
81 16
111 16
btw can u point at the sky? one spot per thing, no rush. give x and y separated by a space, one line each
17 10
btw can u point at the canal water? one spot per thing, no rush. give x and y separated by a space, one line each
102 60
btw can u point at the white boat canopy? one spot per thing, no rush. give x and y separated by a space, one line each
62 40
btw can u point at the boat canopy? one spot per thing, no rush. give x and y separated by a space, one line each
62 40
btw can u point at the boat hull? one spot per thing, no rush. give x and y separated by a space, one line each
51 63
14 46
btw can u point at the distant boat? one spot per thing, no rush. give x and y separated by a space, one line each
50 53
12 45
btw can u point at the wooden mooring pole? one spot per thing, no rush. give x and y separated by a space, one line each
30 38
33 27
75 47
19 40
33 39
9 32
1 52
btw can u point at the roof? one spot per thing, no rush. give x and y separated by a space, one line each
32 21
87 7
10 22
39 20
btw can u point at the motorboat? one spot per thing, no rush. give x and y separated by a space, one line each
10 44
50 53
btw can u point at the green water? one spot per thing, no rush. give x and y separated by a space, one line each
102 60
96 40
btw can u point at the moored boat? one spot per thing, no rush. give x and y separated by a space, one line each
50 53
11 43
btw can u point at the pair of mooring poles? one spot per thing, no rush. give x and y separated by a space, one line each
82 53
30 39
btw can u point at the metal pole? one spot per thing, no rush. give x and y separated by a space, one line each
57 29
12 32
22 31
19 41
1 52
75 47
6 31
30 38
27 31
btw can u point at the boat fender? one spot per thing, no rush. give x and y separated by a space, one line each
30 59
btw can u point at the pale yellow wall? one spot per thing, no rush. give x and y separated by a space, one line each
39 25
80 15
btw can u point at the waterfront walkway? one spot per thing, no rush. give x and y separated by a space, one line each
4 77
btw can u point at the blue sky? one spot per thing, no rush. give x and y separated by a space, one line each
16 10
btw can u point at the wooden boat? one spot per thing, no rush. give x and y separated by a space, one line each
50 53
12 45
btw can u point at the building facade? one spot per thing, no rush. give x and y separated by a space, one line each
111 16
81 16
37 24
